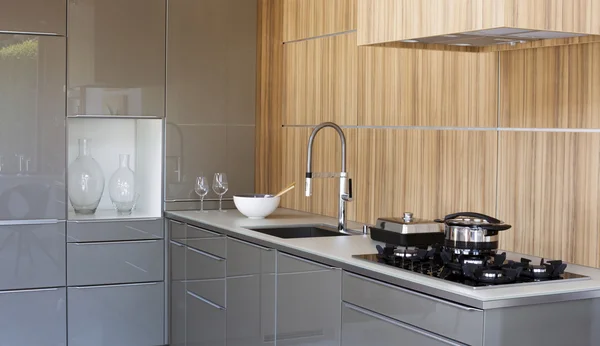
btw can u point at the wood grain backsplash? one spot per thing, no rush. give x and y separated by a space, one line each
514 134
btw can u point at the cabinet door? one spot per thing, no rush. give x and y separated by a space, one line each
205 321
308 305
127 315
32 256
34 16
177 316
33 317
32 143
362 327
116 57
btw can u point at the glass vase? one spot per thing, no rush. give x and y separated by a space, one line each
121 187
85 180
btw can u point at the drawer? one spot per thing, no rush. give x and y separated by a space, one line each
245 258
200 265
114 262
176 230
292 264
214 246
177 261
117 315
193 232
32 255
33 317
454 321
91 231
212 291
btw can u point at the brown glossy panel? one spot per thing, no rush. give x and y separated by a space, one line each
310 18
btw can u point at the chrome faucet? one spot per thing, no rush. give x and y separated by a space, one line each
345 195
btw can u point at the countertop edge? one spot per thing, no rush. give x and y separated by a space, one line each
413 286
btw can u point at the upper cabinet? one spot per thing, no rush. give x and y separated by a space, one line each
116 57
33 16
477 25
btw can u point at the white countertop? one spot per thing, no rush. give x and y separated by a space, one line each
338 251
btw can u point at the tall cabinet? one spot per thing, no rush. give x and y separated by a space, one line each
32 173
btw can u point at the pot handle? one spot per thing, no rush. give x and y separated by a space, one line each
488 218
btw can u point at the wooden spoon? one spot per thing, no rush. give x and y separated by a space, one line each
287 189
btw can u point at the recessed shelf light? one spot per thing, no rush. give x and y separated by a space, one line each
410 41
461 44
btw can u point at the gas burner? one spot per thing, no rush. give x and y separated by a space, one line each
543 271
406 252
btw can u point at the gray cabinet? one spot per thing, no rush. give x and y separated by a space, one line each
362 327
308 302
33 317
116 57
95 231
205 321
177 293
127 315
34 16
32 144
32 256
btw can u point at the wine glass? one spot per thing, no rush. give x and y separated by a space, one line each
201 189
220 187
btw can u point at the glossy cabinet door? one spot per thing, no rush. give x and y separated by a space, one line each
177 292
308 303
90 231
362 327
32 256
33 317
34 16
116 57
116 315
32 142
205 321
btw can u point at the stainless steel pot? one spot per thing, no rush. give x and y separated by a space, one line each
472 231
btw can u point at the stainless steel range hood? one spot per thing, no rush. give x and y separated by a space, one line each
477 25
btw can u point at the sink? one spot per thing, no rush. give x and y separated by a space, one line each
300 232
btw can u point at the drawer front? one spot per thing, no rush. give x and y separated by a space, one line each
441 317
34 16
177 261
177 313
193 232
211 290
214 246
33 317
91 231
116 262
119 315
292 264
361 327
200 265
205 322
32 255
177 230
245 258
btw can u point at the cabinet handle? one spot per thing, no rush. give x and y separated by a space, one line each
117 242
109 286
206 254
176 222
28 222
206 301
424 296
205 231
30 290
176 243
307 261
397 323
251 244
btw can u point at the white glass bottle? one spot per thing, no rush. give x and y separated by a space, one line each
85 180
121 187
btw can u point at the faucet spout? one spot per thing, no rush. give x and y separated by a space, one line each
345 196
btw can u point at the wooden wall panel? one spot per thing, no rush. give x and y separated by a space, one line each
549 190
321 81
407 87
326 158
430 173
268 97
311 18
554 87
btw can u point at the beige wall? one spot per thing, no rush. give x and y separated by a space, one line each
513 134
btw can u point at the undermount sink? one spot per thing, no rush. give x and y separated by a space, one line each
300 232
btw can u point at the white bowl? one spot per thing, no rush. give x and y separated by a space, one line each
256 206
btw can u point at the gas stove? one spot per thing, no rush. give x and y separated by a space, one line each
474 268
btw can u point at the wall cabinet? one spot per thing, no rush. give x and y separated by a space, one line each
362 327
34 16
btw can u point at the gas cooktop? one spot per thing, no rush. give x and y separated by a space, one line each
476 269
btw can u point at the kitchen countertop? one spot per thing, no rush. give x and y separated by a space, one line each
338 251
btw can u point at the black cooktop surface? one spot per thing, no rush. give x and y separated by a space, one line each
477 270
